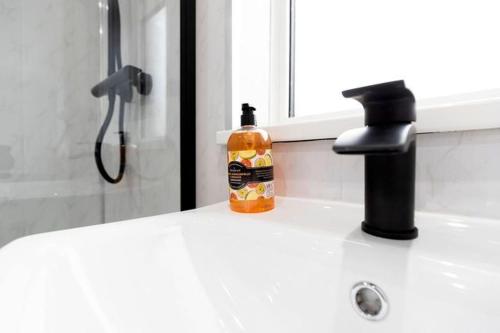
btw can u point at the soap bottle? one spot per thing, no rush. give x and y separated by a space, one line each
250 166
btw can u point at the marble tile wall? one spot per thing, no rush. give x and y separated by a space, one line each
457 172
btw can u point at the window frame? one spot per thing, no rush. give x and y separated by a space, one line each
281 73
469 111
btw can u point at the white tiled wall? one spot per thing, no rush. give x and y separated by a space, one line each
457 172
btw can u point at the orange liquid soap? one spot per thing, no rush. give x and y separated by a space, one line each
250 167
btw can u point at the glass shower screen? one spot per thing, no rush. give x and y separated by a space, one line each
53 53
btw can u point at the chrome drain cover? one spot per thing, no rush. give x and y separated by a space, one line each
369 301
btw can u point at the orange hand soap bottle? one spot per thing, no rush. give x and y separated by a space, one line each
250 166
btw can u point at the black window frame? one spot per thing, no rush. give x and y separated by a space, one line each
188 104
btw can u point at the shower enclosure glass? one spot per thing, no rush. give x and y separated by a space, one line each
52 53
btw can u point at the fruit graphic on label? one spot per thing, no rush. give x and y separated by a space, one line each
233 156
233 197
261 151
252 196
247 163
268 159
248 154
243 193
261 188
260 162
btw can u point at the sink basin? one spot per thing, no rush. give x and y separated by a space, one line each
288 270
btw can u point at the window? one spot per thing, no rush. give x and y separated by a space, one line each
251 20
292 58
439 47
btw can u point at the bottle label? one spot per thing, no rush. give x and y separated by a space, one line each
250 174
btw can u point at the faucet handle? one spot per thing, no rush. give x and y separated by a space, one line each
385 103
381 88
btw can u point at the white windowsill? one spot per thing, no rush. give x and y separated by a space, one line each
474 114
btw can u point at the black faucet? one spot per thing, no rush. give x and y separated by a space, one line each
388 142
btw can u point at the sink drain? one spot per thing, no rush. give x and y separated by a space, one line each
369 301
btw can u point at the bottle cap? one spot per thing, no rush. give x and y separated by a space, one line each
247 117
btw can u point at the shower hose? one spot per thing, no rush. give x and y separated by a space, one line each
114 64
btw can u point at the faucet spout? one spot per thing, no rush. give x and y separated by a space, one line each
376 140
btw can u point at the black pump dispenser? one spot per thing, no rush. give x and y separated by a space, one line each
247 118
385 103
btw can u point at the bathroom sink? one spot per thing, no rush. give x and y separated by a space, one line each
288 270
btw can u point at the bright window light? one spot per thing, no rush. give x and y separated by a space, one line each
250 57
439 47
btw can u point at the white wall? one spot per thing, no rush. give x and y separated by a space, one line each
457 172
213 101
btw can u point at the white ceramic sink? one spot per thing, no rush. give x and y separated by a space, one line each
289 270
